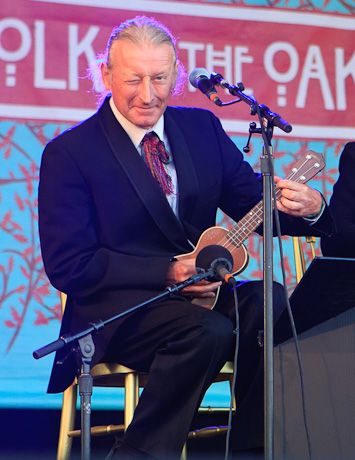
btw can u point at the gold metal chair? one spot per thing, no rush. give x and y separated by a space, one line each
300 258
104 375
119 376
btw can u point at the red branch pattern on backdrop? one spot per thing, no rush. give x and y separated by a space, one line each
346 7
308 5
24 282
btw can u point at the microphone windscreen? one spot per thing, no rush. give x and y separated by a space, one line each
199 72
210 254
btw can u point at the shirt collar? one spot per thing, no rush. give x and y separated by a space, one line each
135 133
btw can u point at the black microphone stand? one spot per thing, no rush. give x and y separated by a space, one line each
268 120
84 348
268 183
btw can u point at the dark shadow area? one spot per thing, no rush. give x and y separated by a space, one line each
326 290
32 434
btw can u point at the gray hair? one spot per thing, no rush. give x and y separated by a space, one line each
138 30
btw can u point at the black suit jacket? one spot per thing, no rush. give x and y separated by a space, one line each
342 206
107 231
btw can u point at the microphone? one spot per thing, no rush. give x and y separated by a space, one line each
200 78
219 259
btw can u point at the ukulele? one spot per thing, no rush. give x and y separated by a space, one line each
302 171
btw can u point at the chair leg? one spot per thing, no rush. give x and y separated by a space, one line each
184 453
67 422
131 401
131 396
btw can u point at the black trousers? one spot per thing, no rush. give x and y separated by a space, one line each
183 347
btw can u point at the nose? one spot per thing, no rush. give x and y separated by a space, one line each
145 90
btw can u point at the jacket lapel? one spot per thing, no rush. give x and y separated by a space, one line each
187 178
141 178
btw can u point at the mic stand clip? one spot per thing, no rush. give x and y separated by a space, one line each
273 118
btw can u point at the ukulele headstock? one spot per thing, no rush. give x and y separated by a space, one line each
310 164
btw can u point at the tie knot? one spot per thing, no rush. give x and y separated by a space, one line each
152 144
151 137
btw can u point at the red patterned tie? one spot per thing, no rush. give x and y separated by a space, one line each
156 157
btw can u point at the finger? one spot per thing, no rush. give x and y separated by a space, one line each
290 195
284 184
206 290
210 287
289 207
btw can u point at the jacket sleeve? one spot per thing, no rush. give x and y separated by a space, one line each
342 207
74 259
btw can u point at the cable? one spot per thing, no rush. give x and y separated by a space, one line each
294 332
235 372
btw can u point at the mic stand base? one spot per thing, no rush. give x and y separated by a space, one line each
84 354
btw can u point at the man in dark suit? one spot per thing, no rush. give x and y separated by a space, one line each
342 205
110 232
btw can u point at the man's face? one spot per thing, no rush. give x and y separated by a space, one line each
141 80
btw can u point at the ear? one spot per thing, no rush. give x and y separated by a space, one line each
176 68
106 76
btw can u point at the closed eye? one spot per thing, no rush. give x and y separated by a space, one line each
133 82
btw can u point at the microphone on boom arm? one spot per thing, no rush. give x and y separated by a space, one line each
219 259
200 79
203 80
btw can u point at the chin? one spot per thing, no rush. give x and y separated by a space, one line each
146 120
146 124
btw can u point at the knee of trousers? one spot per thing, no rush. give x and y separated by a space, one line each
255 289
215 335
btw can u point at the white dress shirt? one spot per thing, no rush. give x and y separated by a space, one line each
136 135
